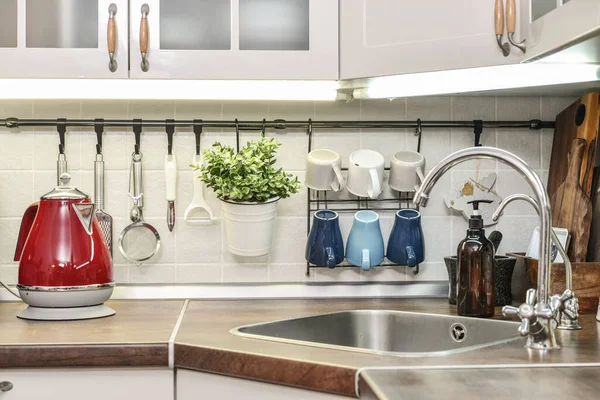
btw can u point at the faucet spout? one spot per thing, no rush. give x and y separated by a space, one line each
543 278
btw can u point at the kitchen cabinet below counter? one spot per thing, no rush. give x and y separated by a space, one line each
88 384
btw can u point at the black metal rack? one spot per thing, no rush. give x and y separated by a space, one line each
316 200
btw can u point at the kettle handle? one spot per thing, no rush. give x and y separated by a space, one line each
26 224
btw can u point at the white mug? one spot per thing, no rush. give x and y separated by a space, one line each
365 173
324 170
406 171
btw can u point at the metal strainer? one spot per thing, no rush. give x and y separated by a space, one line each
139 241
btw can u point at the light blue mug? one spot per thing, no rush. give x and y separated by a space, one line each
365 242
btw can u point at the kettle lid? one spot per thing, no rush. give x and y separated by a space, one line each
64 191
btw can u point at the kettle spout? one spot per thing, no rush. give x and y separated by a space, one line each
85 212
26 224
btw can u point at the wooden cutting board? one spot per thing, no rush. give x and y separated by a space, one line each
571 207
579 120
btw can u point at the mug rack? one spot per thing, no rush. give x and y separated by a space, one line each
316 200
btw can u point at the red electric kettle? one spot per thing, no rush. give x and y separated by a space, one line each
63 258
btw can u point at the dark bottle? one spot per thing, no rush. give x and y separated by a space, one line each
475 273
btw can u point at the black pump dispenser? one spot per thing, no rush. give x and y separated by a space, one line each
475 273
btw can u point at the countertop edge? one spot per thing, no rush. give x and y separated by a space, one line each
85 355
327 378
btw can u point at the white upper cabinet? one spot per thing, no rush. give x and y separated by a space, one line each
234 39
552 25
63 38
389 37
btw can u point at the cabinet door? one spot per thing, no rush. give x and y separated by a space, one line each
193 385
235 39
62 39
88 384
389 37
552 25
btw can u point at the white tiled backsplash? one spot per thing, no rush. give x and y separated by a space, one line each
198 254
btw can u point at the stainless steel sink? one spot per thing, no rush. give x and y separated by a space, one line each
386 332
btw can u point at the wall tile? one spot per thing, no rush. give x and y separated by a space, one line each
428 272
11 139
9 231
289 239
347 274
551 106
148 273
18 186
197 244
547 137
9 273
384 274
198 273
289 273
243 273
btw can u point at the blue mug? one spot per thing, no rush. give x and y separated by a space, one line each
405 245
365 242
325 246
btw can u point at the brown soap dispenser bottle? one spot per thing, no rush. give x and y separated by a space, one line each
475 273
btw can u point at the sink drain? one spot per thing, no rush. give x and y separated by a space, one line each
458 333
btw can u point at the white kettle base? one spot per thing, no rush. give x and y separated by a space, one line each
66 314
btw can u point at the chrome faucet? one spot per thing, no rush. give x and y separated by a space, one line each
537 313
568 309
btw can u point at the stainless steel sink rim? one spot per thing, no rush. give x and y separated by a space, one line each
237 331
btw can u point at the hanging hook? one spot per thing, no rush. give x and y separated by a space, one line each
477 130
197 126
264 127
418 131
61 128
99 128
137 130
309 132
170 129
237 135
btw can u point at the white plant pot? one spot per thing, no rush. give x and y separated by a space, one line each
249 226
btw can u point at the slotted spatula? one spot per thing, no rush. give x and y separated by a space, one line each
104 219
198 212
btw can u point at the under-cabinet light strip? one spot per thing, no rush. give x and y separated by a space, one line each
476 80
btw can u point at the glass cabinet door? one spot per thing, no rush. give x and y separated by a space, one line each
234 39
65 38
8 23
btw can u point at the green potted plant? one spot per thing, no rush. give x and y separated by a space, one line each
249 187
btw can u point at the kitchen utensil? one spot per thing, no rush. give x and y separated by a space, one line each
571 207
503 272
406 171
579 120
324 170
365 173
405 244
325 246
61 163
496 238
104 219
63 259
365 242
139 241
170 175
198 212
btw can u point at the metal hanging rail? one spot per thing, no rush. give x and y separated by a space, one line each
281 124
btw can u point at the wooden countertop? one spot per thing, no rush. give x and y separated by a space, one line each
202 345
137 335
488 383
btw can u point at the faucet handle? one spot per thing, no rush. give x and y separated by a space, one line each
529 312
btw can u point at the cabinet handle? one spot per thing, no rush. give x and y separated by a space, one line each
111 37
5 386
144 37
511 22
499 26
